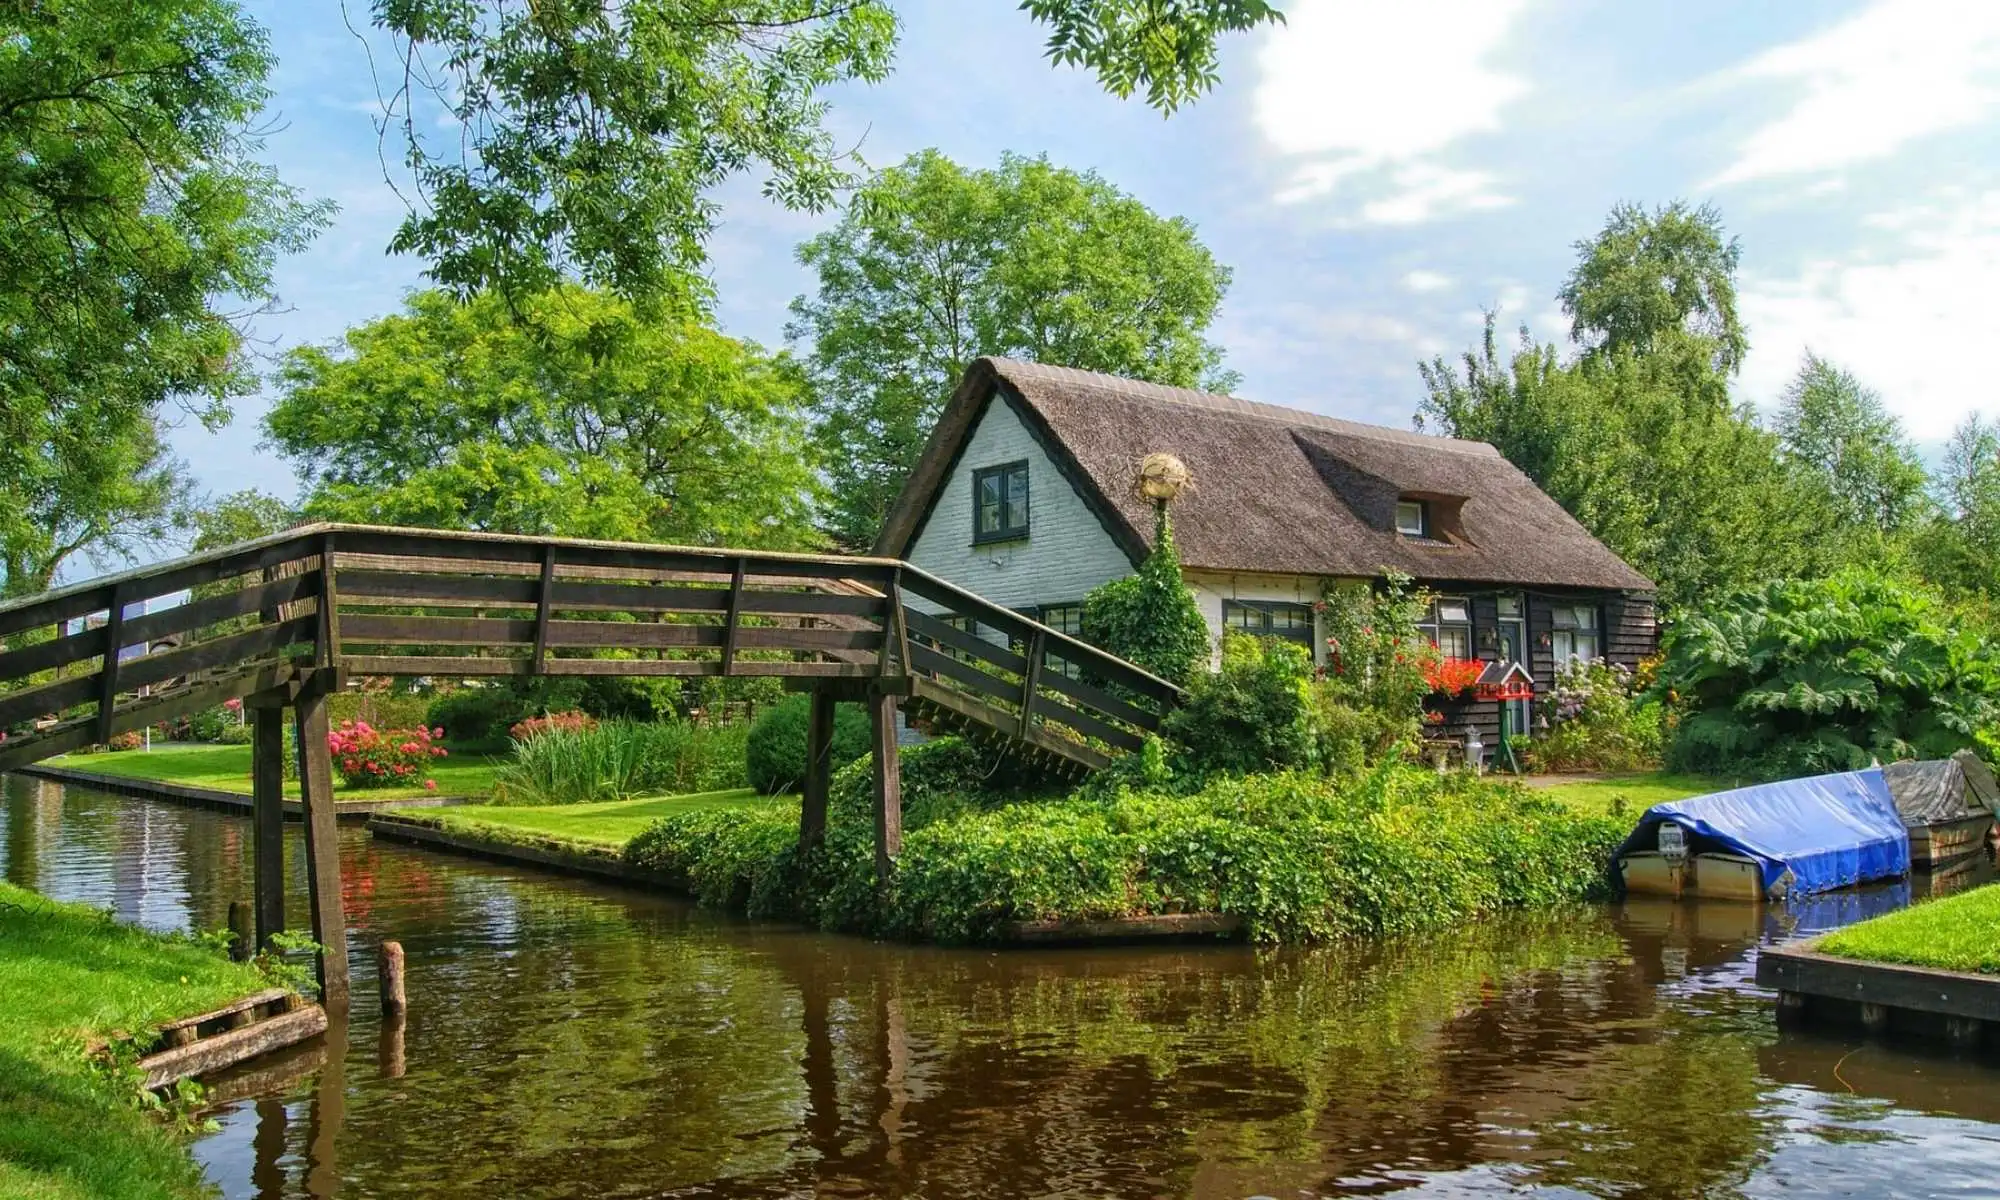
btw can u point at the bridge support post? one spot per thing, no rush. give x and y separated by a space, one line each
819 769
888 785
267 821
329 919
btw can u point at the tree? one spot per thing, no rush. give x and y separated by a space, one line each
1958 547
935 265
1836 431
580 420
586 139
1647 275
1644 450
240 517
137 214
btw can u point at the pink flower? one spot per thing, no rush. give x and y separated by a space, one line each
430 785
438 732
233 704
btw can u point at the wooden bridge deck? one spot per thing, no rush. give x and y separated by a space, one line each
286 620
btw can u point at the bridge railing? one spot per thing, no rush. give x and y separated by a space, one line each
1043 683
89 662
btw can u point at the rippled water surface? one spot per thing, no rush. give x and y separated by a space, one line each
569 1040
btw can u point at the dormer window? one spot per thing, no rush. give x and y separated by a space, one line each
1413 518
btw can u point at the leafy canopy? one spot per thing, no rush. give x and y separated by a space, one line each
1850 449
583 140
1805 676
935 265
141 237
1647 275
582 420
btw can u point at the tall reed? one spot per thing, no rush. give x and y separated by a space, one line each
618 760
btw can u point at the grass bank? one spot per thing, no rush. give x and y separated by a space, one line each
1629 795
1298 857
604 825
69 974
1958 933
227 769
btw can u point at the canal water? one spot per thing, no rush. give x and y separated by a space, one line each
571 1040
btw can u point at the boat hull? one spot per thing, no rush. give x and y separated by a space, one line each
1943 842
1706 876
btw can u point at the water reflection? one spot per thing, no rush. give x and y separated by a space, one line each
571 1040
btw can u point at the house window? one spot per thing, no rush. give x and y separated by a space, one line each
1449 626
1577 634
1000 502
1413 518
1063 618
1269 618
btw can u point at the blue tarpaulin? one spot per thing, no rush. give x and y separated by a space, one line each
1829 831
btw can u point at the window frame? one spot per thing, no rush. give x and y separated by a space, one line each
1434 625
1265 610
1564 636
1423 507
1004 532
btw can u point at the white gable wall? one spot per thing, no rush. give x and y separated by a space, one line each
1067 551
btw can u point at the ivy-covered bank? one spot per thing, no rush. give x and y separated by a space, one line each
1299 856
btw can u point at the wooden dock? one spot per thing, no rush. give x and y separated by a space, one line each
1960 1007
258 1024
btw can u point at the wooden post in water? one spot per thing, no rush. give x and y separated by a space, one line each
888 784
267 821
819 769
389 974
329 920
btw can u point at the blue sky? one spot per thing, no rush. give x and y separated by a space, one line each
1376 174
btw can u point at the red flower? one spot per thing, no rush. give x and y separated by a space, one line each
430 785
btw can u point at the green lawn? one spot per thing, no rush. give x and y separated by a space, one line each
606 825
228 768
67 974
1641 791
1957 933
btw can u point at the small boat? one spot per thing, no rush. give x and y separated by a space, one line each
1770 841
1947 804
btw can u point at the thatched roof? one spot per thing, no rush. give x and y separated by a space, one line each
1275 489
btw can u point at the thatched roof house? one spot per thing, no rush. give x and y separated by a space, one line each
1026 495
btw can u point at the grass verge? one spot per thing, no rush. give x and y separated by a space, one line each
1958 933
227 769
69 973
1599 797
605 824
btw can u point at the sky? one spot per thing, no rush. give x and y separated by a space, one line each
1376 175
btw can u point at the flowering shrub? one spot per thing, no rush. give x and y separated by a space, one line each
369 757
1369 702
563 722
1452 676
1596 722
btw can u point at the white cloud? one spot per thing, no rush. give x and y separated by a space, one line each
1373 94
1897 71
1911 323
1421 280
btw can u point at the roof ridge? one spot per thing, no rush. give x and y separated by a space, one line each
1256 410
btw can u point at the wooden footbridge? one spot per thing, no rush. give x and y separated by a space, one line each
285 621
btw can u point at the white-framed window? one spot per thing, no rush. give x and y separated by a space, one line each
1413 518
1449 626
1577 634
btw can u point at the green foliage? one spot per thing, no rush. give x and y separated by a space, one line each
1650 278
476 715
565 413
1836 431
1166 50
1596 722
1298 856
383 710
239 517
1368 707
1149 618
1254 714
141 228
1799 677
934 265
1958 548
619 760
587 142
774 754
